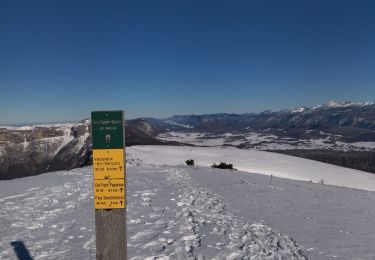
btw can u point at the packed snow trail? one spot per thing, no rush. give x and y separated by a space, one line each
330 222
196 224
179 212
52 214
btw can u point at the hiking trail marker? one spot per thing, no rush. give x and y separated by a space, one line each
109 172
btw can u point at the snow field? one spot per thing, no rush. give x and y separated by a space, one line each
194 223
43 214
168 218
265 141
253 161
180 212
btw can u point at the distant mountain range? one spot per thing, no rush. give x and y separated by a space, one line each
353 121
29 150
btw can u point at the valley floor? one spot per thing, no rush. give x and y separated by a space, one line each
190 212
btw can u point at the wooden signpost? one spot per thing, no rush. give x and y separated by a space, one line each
108 145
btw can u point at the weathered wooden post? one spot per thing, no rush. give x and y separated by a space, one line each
108 146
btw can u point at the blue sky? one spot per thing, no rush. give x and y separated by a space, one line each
59 60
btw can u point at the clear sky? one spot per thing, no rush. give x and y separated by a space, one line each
59 60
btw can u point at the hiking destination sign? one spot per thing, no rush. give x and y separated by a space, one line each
108 159
107 129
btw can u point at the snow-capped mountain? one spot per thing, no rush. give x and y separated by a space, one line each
336 104
353 121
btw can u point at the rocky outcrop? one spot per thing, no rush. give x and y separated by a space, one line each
141 131
26 151
31 150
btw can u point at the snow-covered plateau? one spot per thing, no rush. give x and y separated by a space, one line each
197 212
253 161
262 140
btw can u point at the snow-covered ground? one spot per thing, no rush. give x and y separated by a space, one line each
51 213
168 216
253 161
265 141
182 212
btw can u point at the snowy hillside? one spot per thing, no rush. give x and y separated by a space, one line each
266 140
267 163
335 125
182 212
34 149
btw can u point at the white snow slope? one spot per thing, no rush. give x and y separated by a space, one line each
181 212
169 217
268 163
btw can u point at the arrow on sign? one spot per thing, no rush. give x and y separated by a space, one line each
121 189
120 168
121 202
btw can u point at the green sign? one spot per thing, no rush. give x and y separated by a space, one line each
107 129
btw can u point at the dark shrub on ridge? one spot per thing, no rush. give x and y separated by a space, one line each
223 165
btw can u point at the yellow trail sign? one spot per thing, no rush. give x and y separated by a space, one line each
109 178
109 163
109 194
